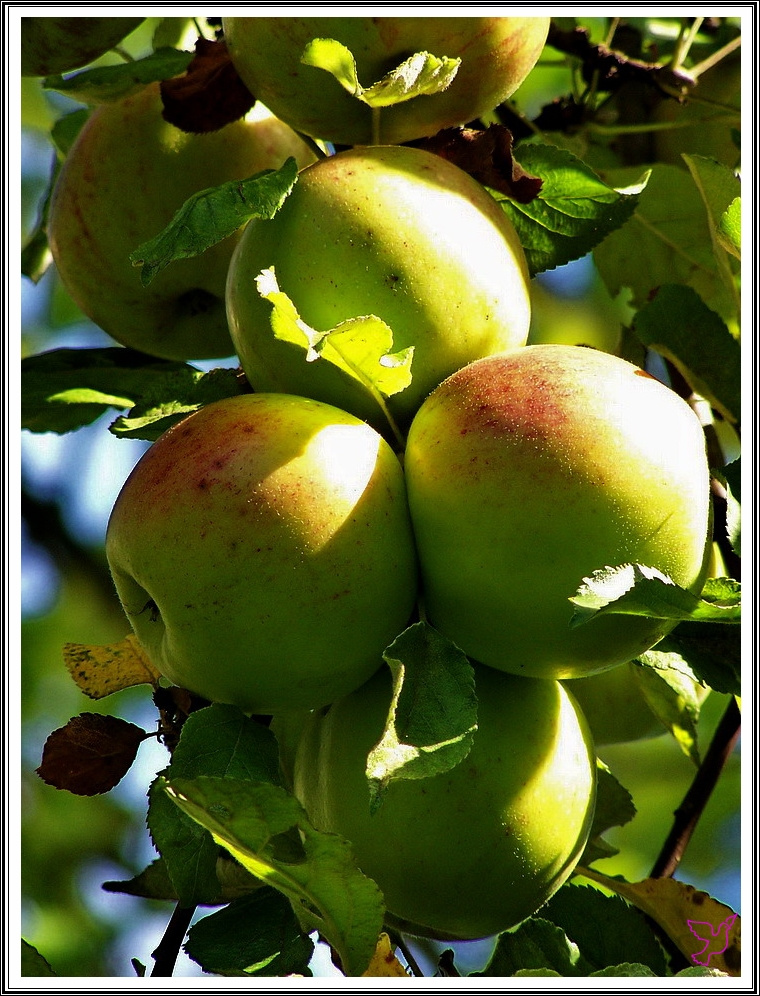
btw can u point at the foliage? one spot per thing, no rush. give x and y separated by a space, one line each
257 890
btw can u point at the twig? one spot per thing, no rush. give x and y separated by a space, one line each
688 813
165 955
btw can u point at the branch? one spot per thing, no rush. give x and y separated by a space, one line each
165 955
688 813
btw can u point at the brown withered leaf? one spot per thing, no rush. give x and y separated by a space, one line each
90 754
487 156
209 95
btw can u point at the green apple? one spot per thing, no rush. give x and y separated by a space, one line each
471 852
615 706
390 231
121 183
262 551
497 54
51 45
528 471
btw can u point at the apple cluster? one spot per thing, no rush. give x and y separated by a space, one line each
268 548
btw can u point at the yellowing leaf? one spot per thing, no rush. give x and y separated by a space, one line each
707 932
385 964
102 670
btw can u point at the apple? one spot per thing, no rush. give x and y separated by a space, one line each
390 231
121 183
51 45
615 706
471 852
497 54
528 471
262 552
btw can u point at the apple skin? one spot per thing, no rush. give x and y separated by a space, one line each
528 471
121 183
615 706
51 45
471 852
262 551
389 231
497 54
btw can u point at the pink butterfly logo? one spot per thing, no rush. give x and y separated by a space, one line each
715 938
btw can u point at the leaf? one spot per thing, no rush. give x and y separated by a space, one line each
189 852
102 670
668 233
33 965
64 389
536 944
433 713
66 128
729 231
713 652
676 906
90 754
255 936
222 740
614 808
328 892
732 477
170 400
574 211
679 325
671 691
385 964
359 347
638 590
420 74
151 883
109 83
209 216
209 95
607 930
718 186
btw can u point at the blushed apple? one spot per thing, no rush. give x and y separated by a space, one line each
121 183
497 54
389 231
471 852
262 551
528 471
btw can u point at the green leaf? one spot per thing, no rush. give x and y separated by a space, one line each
65 130
679 325
108 83
614 808
607 930
359 347
33 965
638 590
209 216
223 741
537 945
718 186
574 211
257 935
64 389
189 852
732 477
713 652
420 74
433 713
153 882
668 233
328 892
729 231
672 692
627 970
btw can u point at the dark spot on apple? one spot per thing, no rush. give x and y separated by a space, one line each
202 484
196 301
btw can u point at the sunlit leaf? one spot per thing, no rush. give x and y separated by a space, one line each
102 670
108 83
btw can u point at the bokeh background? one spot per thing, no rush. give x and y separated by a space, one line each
70 844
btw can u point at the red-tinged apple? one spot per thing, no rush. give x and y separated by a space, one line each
389 231
471 852
529 471
263 553
51 45
497 54
121 183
